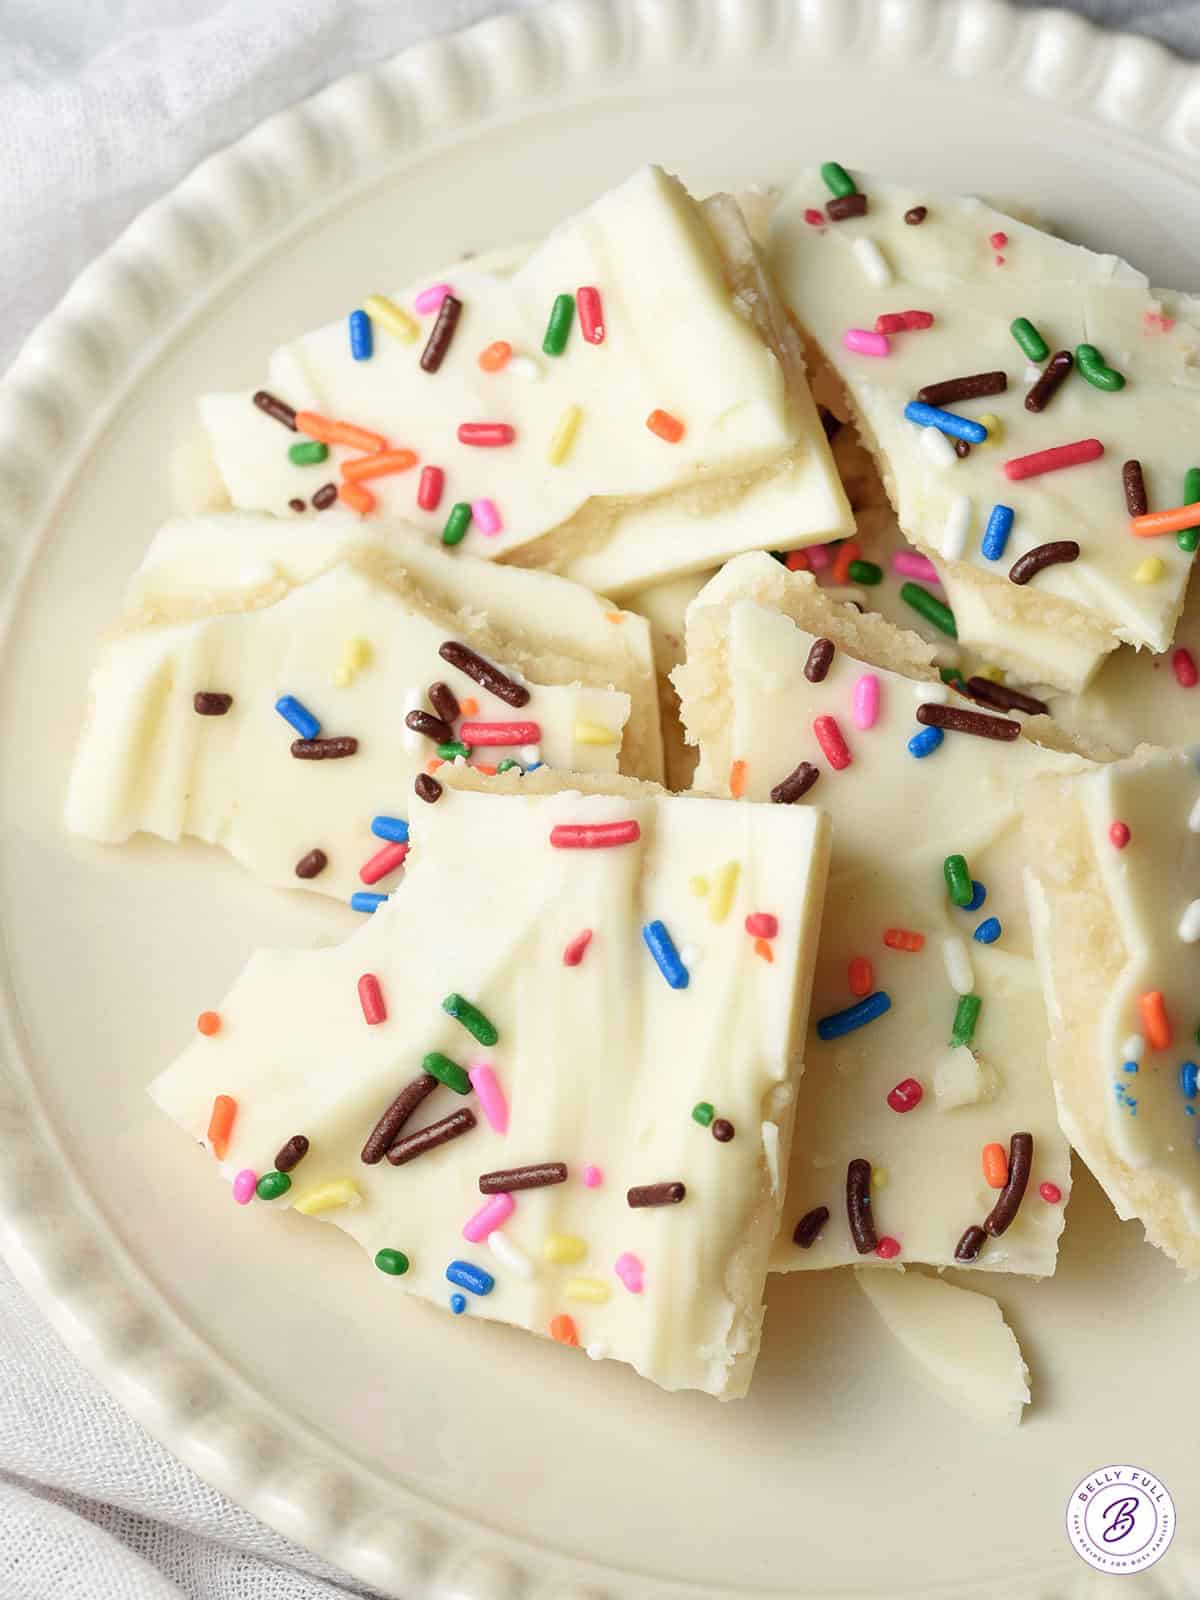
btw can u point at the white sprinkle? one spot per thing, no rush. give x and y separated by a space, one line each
1134 1048
931 694
1032 373
530 754
958 965
525 367
937 447
598 1349
1194 818
413 701
510 1255
958 525
1189 923
873 262
770 1138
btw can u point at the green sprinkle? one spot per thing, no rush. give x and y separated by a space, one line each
562 313
308 454
958 880
394 1262
837 180
449 752
1030 340
703 1113
929 607
951 675
472 1019
457 523
271 1185
508 764
1091 364
966 1015
1188 538
446 1071
865 572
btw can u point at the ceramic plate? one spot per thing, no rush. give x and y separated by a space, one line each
438 1458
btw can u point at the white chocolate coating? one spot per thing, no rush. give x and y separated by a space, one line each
600 1063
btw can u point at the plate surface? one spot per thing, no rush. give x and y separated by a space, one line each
449 1459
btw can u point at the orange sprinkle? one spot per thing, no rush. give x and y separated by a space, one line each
433 763
995 1166
220 1124
665 426
904 939
378 465
353 494
762 947
615 616
1155 1024
797 561
563 1330
737 779
329 432
847 552
488 772
861 976
1171 521
468 705
496 355
208 1022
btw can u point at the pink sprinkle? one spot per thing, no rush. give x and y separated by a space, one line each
814 218
574 951
1118 834
430 299
594 835
591 316
1053 460
999 260
592 1177
888 1248
429 489
629 1269
1158 319
866 343
488 1218
486 435
1183 664
911 564
998 240
914 321
244 1186
487 518
370 997
906 1096
500 733
833 746
490 1094
866 701
1050 1193
762 925
819 556
383 862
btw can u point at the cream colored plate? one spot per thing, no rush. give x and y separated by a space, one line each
427 1456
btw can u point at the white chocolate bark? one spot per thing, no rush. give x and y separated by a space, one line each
975 290
691 327
965 1350
600 1064
1112 925
746 699
349 623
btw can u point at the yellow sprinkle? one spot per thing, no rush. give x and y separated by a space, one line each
1149 571
587 1289
698 885
879 1177
564 436
995 428
355 657
593 733
391 316
993 674
724 887
564 1247
325 1196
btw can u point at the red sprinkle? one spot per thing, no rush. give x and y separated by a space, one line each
906 1096
429 489
861 977
848 551
563 1330
1183 664
383 862
797 561
915 320
888 1248
997 240
833 746
594 835
814 218
370 997
762 925
575 949
904 939
1053 460
488 435
591 315
1050 1193
1118 834
889 322
474 733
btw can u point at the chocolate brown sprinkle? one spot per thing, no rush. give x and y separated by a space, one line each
441 334
325 496
858 1206
820 659
722 1130
831 426
1051 380
211 703
1044 555
275 407
915 215
427 788
808 1229
796 784
292 1153
437 1133
1004 698
971 387
484 673
323 749
536 1177
432 727
444 701
1135 489
957 719
297 504
383 1135
971 1243
961 449
846 205
656 1194
312 865
1008 1201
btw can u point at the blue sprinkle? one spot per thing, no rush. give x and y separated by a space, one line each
362 341
995 535
978 896
1129 1066
535 766
988 931
469 1276
300 717
662 947
946 422
925 743
365 901
1190 1111
393 828
458 1304
840 1022
1189 1079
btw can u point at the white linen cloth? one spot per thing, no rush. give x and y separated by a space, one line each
104 104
